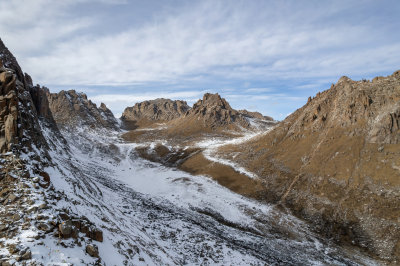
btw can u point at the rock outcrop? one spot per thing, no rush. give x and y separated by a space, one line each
71 109
158 110
9 109
215 111
19 123
336 162
212 114
28 199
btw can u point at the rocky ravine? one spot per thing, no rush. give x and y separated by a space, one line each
336 163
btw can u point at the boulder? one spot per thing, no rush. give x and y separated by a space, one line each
6 77
95 234
65 229
10 199
92 250
26 255
44 227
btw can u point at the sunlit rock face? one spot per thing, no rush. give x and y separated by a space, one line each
71 108
336 162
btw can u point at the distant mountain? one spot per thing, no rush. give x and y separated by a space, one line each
70 108
213 114
209 115
154 111
336 162
256 115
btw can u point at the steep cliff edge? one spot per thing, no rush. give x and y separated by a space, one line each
19 117
336 162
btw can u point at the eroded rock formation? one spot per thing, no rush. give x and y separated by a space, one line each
19 121
71 109
214 115
9 109
158 110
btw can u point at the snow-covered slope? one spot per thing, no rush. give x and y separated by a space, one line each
153 215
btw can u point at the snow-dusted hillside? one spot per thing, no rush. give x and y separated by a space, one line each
154 215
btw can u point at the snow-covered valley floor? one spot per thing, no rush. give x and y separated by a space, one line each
155 215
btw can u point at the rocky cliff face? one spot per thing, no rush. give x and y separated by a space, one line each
71 109
20 129
336 162
9 111
159 110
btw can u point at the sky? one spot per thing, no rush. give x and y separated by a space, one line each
266 56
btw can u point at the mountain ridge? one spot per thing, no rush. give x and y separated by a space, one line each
70 108
333 157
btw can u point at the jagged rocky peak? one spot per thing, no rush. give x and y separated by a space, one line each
19 124
216 111
156 110
370 108
213 114
71 109
212 101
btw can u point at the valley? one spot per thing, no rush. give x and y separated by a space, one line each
170 184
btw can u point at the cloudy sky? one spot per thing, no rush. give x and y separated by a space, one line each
267 56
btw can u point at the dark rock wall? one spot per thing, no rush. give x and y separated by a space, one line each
21 106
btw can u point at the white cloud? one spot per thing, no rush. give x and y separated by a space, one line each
222 44
225 40
259 90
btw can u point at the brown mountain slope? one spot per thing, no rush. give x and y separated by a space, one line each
336 162
212 114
